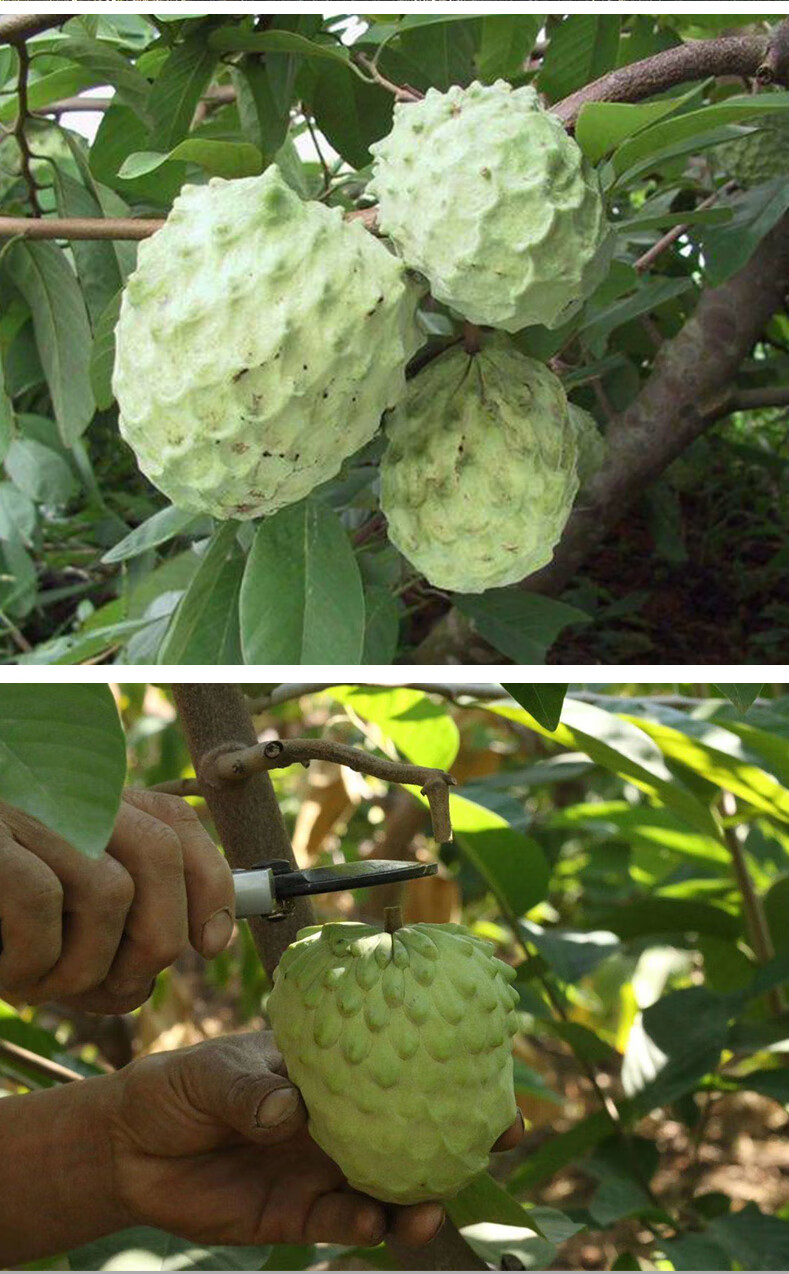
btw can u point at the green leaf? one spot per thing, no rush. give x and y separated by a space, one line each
157 529
507 40
96 261
729 247
612 742
719 757
743 695
556 1152
7 421
63 759
109 67
485 1200
301 598
513 865
679 1040
523 626
178 88
641 917
119 135
602 126
17 514
582 48
572 953
143 1248
234 40
421 730
220 159
667 134
47 282
381 625
642 825
350 114
204 628
63 83
102 354
752 1239
543 701
776 910
262 119
39 472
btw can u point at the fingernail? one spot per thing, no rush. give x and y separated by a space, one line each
217 932
276 1107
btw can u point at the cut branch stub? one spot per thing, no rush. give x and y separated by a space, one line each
233 764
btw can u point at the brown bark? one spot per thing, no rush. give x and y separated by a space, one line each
22 26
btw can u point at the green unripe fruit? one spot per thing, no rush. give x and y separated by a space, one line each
590 443
479 475
260 340
401 1046
483 192
757 156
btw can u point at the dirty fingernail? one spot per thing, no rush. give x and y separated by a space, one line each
217 932
440 1218
276 1107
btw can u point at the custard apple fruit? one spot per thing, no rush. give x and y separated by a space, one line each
479 474
483 192
401 1046
759 155
260 340
590 443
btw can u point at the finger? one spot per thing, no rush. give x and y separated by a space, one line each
512 1136
418 1224
156 926
31 916
209 880
345 1217
96 896
229 1082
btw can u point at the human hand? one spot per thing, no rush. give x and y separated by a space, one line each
94 933
211 1143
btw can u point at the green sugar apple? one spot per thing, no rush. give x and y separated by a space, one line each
479 475
589 442
483 192
401 1046
757 156
260 340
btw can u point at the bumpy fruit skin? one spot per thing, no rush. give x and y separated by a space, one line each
260 340
758 156
589 442
401 1046
483 192
479 475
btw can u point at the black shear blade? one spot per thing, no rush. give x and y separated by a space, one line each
327 880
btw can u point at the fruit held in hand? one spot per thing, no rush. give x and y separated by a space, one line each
479 475
260 340
483 192
759 155
401 1046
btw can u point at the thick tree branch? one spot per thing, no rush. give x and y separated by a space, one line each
78 228
22 26
744 55
688 387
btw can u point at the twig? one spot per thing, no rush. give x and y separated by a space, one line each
755 919
676 232
26 156
400 91
78 227
327 174
276 754
42 1066
178 787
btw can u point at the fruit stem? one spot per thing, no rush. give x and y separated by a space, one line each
393 919
472 338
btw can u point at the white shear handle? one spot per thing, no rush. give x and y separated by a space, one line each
254 892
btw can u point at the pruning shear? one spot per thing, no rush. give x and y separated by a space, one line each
270 889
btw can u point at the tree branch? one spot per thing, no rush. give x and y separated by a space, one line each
688 387
19 128
744 55
78 227
22 26
235 766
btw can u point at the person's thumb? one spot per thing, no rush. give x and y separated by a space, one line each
233 1083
